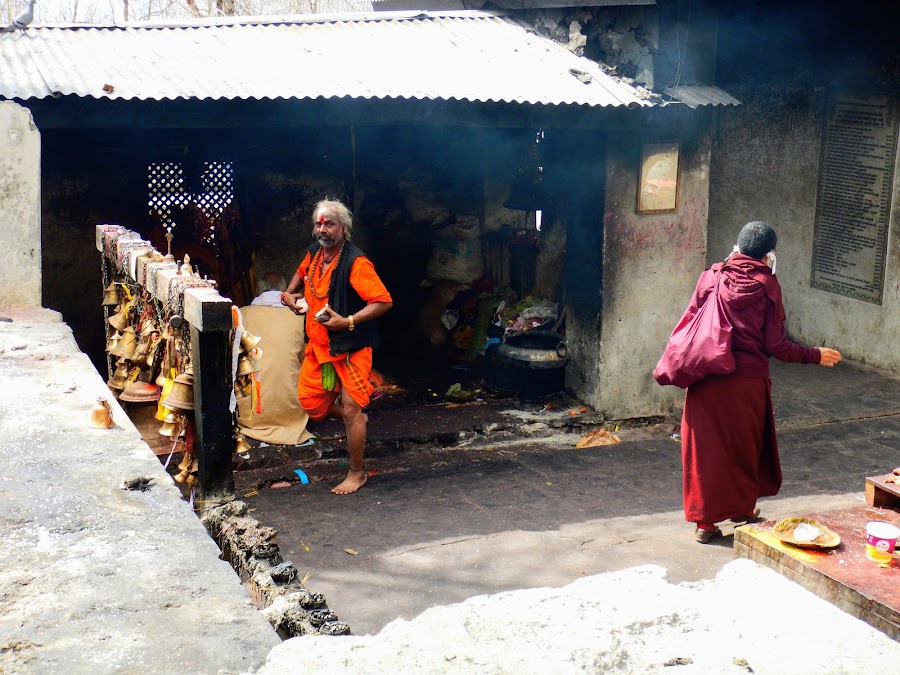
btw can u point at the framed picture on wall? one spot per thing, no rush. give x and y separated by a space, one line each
658 186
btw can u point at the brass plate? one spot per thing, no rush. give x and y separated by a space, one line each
784 530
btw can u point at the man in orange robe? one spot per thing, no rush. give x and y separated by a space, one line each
339 290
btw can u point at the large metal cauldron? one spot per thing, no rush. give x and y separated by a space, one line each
530 364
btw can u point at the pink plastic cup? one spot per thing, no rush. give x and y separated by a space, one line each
881 540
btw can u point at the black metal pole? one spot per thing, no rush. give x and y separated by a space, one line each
212 394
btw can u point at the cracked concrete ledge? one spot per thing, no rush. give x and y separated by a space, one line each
95 578
252 550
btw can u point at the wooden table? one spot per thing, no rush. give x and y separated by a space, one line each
881 493
843 575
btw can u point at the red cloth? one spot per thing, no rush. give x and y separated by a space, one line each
752 302
729 452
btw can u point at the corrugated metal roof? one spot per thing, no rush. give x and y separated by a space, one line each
472 56
696 95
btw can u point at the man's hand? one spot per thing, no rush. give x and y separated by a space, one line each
295 302
829 357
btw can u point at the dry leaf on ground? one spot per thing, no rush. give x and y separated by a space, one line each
598 437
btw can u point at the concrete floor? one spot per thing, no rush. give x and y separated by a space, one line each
435 526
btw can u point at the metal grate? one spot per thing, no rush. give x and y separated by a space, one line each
218 193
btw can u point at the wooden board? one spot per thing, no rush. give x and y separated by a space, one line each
881 493
843 576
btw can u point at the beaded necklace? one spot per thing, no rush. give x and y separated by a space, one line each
318 266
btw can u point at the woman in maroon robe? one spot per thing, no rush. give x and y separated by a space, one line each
729 450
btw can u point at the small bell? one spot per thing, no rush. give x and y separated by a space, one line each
249 341
242 446
128 344
185 465
113 341
172 426
101 414
181 397
120 377
243 387
110 295
246 365
119 320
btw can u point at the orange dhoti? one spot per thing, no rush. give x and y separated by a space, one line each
353 371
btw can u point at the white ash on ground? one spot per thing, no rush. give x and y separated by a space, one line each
748 619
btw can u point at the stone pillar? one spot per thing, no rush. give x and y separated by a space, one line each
20 207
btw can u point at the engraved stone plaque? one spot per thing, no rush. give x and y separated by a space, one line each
854 199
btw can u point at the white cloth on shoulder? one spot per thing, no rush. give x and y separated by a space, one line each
268 299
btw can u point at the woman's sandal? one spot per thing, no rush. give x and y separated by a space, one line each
752 518
705 536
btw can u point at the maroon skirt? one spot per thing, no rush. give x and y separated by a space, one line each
729 452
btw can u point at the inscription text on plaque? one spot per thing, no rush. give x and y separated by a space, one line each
854 200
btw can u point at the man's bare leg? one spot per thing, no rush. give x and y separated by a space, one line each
355 423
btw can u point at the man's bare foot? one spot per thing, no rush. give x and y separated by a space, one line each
355 479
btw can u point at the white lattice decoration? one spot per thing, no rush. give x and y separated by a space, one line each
165 185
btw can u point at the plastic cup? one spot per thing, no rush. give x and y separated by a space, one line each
881 540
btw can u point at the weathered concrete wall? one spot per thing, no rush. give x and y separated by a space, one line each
20 207
766 167
651 264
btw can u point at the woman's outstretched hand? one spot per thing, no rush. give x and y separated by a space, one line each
829 357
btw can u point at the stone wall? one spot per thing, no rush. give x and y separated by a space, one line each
20 207
766 166
651 264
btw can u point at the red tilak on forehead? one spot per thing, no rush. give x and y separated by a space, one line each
321 220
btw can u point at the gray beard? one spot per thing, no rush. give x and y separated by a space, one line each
325 242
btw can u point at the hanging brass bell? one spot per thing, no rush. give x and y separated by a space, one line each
181 397
181 477
246 365
243 387
148 328
249 341
101 415
120 377
173 426
112 341
185 465
140 392
125 343
119 320
110 295
242 446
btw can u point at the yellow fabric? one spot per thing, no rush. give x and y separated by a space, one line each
282 420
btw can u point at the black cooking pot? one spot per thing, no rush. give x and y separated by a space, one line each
531 364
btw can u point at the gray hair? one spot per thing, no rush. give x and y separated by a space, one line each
343 214
270 281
